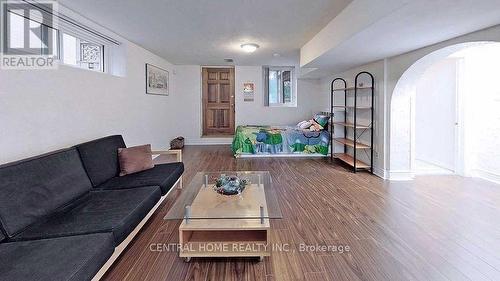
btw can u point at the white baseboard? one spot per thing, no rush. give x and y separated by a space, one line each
208 141
381 173
401 175
486 175
442 172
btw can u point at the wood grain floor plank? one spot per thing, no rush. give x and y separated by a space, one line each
433 228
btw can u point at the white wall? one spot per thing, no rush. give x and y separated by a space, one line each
45 110
393 155
435 115
255 113
186 118
188 88
481 115
402 72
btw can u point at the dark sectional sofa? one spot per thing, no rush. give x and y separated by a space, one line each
63 214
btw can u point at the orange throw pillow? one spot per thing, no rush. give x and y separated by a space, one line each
135 159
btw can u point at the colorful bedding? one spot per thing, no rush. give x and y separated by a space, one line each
278 140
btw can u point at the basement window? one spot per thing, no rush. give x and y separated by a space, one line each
24 36
82 53
279 85
38 29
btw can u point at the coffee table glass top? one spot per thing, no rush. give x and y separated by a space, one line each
201 200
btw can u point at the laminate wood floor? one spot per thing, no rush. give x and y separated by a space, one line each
433 228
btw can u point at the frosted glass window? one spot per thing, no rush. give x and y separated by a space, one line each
16 30
41 39
69 46
82 53
29 33
35 32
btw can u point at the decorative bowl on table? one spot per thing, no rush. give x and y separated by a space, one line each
230 185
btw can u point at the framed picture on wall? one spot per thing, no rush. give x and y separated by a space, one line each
248 91
156 80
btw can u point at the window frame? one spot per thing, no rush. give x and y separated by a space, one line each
104 53
6 16
281 93
80 32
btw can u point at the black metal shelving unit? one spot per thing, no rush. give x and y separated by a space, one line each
351 156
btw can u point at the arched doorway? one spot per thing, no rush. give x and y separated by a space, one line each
403 109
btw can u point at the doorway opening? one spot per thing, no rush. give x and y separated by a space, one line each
444 113
435 118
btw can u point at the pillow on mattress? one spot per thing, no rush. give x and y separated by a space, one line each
321 119
304 125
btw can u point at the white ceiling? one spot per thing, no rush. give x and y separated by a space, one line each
329 35
207 31
391 27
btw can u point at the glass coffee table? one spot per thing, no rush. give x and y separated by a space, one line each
220 225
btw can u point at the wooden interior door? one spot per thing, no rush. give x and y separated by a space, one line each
218 101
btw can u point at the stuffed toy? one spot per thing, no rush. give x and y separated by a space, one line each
316 124
315 127
304 125
310 125
321 119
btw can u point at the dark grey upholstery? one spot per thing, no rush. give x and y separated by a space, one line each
33 188
100 158
67 258
163 175
55 226
116 211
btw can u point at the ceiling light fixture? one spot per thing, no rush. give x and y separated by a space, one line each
249 47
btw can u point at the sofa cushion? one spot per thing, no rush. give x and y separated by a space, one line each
116 211
34 188
100 158
2 237
135 159
66 258
162 175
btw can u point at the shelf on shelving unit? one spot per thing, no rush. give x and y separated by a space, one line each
351 107
349 160
351 125
350 143
351 89
351 115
